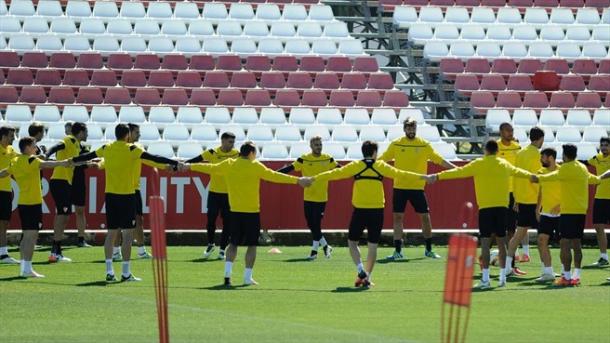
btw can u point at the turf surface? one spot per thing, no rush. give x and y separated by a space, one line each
296 301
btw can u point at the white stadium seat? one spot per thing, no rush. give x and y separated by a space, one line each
132 114
47 114
189 150
18 113
274 152
161 148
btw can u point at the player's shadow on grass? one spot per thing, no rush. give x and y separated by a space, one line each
100 283
595 267
386 261
349 290
300 259
12 278
203 260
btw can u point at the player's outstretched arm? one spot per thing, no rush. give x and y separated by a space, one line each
205 168
271 175
465 171
605 175
344 172
4 172
85 157
395 173
159 159
54 164
54 149
286 169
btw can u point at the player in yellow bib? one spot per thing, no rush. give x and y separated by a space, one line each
316 196
7 154
601 204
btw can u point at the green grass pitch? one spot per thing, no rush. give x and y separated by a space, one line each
296 301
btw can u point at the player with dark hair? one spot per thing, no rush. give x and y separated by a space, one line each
548 211
601 204
7 154
36 131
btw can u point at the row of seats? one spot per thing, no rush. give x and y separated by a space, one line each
436 51
407 16
188 78
186 45
201 97
452 66
93 60
553 34
564 135
186 10
554 119
162 116
523 82
482 100
501 3
92 28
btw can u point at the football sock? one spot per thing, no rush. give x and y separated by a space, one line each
228 268
398 245
428 244
125 269
109 268
323 242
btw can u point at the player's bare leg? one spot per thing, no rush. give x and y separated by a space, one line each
231 253
398 220
426 228
577 248
4 256
602 241
28 242
250 259
513 244
354 251
59 226
566 260
545 258
485 253
116 248
126 250
81 226
111 238
525 245
139 238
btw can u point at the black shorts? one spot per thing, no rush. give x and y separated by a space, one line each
572 226
139 204
218 203
6 205
120 211
61 191
245 228
492 221
370 219
511 215
527 216
548 226
78 192
601 211
314 213
417 197
31 216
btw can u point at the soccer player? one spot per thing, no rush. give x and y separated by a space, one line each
601 204
547 212
491 184
243 176
61 186
574 179
25 169
526 197
7 154
316 196
368 200
121 159
411 153
36 130
218 198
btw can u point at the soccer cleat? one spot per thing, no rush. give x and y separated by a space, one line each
312 255
83 244
575 281
502 283
367 283
396 256
63 259
524 258
117 257
130 278
31 274
545 278
360 279
6 259
328 250
518 272
250 282
227 282
563 282
483 285
145 255
432 254
208 251
601 262
221 255
52 258
110 278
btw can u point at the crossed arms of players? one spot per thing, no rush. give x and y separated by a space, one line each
45 165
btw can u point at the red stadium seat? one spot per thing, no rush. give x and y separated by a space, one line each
380 81
174 62
584 67
133 78
452 65
147 96
258 97
312 63
504 66
175 97
76 77
416 2
544 80
341 98
607 101
61 95
20 76
562 100
368 98
8 94
216 79
34 60
493 82
9 59
202 62
161 78
520 82
477 65
188 78
604 67
588 100
2 80
395 98
560 66
258 63
482 99
287 98
90 60
33 94
508 100
339 63
468 82
230 97
326 81
48 77
572 82
535 100
597 3
202 97
467 3
64 60
366 64
243 79
103 77
314 97
521 3
443 3
120 61
285 63
572 3
147 61
228 62
300 80
493 3
273 79
90 95
529 66
599 83
353 81
117 96
546 3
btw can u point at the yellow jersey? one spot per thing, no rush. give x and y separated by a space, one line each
491 179
550 193
26 172
121 162
525 191
310 165
138 169
411 155
243 177
601 164
574 179
509 153
367 191
6 156
217 182
71 148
